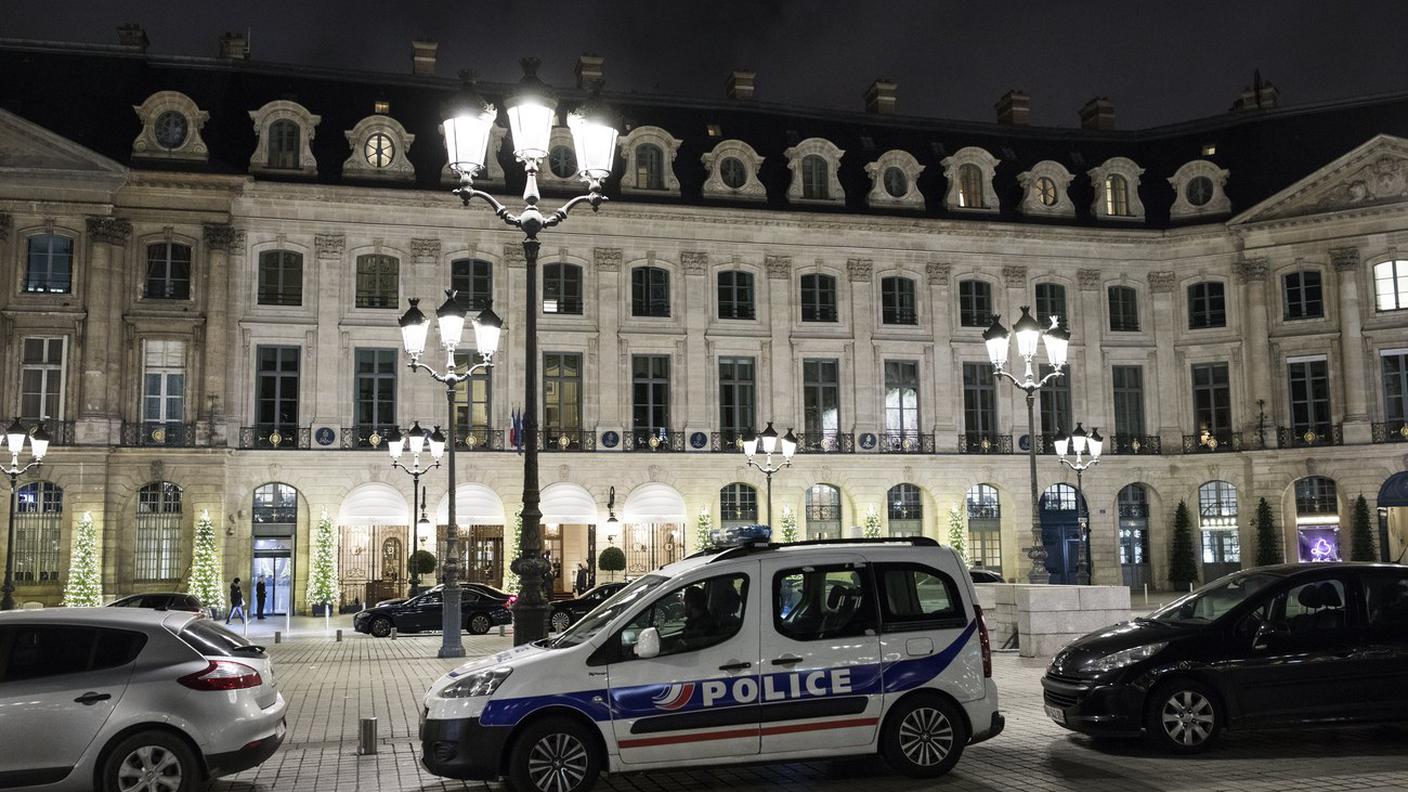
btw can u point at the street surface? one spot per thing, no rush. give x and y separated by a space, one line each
331 685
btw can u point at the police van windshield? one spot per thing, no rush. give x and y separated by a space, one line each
606 612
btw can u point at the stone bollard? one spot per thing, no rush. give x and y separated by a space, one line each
278 637
339 637
393 633
366 736
501 631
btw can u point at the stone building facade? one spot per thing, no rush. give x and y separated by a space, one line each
209 326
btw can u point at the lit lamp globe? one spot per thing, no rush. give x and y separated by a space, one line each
1056 340
415 439
768 438
39 441
1062 443
594 138
437 444
487 329
14 435
466 127
1028 332
530 114
395 443
414 328
450 317
789 444
750 444
1078 438
998 341
1096 443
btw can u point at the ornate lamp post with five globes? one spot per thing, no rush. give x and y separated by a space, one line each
38 447
1078 443
416 441
769 441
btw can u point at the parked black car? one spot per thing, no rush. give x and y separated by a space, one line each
985 576
160 600
564 613
425 611
483 588
1267 647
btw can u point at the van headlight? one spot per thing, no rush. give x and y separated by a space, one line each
1124 657
479 683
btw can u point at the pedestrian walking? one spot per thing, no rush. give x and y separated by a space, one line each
581 587
236 603
260 593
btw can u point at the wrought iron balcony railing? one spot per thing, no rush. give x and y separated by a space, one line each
826 443
566 440
1389 432
60 432
167 435
364 437
729 441
1309 436
652 440
478 439
1212 442
1134 444
984 443
905 443
276 437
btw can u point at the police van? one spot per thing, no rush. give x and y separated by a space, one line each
757 652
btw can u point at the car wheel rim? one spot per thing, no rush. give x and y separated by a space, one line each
480 624
381 629
926 736
1188 718
557 763
150 768
559 621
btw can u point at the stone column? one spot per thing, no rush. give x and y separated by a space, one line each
611 395
210 424
102 331
947 406
1167 378
1251 275
1092 383
864 413
777 395
1356 377
327 351
7 275
697 376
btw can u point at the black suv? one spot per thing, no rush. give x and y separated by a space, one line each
1267 647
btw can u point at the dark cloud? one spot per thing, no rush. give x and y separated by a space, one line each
1158 62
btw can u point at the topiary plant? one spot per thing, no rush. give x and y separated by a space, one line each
422 562
1182 558
611 560
1361 536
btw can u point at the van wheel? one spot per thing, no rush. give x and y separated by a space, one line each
1184 716
554 755
561 621
478 624
381 627
923 737
150 761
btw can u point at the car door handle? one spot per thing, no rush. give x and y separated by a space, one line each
786 660
735 666
89 699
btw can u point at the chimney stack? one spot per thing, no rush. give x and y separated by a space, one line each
132 36
1098 113
423 57
880 97
1260 95
590 70
1014 108
739 84
234 46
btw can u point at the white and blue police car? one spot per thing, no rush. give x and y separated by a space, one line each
758 652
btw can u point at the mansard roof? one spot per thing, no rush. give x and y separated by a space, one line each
85 93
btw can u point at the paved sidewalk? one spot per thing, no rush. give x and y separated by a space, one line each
331 685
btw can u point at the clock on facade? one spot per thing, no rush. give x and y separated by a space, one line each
379 150
732 173
1199 190
170 128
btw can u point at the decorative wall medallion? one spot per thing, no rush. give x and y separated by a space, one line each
610 439
1024 442
698 440
867 441
324 436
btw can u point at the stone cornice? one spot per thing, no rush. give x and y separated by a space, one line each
112 230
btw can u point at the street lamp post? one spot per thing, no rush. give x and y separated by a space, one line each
38 447
531 109
1078 443
1029 335
768 439
416 440
414 329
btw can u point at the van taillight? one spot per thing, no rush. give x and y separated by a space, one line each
984 641
223 675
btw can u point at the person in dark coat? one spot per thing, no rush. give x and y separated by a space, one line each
236 602
260 593
581 587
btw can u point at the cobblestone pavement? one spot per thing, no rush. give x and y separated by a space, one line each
331 685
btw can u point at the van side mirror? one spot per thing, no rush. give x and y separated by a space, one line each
648 643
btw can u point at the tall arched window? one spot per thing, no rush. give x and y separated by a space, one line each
39 506
473 282
650 292
970 186
650 167
984 527
905 509
1116 196
158 552
815 177
283 144
168 272
49 265
275 504
823 512
897 301
1317 520
562 289
280 277
1217 521
818 298
1316 495
1390 285
1134 534
378 281
738 505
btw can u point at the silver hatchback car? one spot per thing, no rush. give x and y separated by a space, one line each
130 700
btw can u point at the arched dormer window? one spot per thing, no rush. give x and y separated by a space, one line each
380 149
284 147
1045 190
1116 183
1199 191
171 127
969 172
733 172
894 181
649 152
814 163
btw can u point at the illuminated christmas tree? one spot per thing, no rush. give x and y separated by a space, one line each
206 582
705 529
515 545
789 524
871 527
958 531
84 588
322 578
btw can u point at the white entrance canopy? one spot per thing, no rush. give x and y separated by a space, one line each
565 502
654 502
374 503
475 504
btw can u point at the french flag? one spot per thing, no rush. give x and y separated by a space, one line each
515 432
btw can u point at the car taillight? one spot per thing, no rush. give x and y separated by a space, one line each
984 641
512 598
223 675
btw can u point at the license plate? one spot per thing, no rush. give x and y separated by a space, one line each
1058 715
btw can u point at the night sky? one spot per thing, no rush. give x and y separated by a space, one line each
1159 62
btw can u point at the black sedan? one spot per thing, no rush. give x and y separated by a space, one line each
1269 647
424 612
160 600
565 613
482 588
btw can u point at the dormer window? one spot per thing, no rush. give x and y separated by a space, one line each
171 126
814 163
562 161
650 155
1045 190
379 147
285 130
894 178
969 172
1198 188
733 172
1116 196
970 187
1116 183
